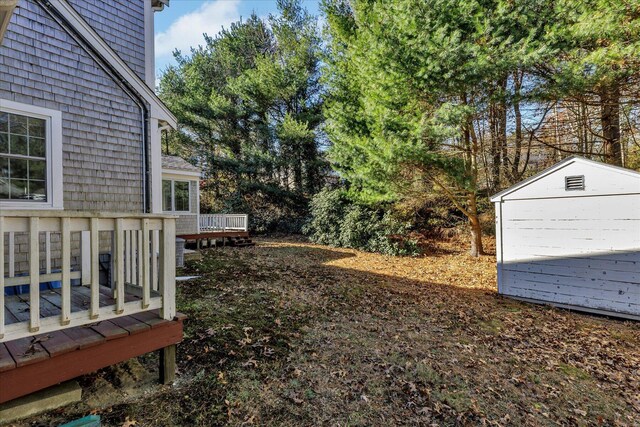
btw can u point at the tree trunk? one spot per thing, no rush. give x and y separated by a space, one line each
515 169
610 117
495 147
474 225
502 129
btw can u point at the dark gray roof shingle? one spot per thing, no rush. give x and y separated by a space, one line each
178 163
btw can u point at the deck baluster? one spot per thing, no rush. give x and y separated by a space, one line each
65 227
168 268
95 269
155 272
34 274
12 254
47 251
139 258
1 277
144 260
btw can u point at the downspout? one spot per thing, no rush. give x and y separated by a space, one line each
131 93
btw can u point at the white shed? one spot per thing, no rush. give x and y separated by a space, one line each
570 236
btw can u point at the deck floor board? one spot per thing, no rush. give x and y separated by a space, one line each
9 317
151 318
109 330
26 351
6 361
57 343
131 324
17 306
84 336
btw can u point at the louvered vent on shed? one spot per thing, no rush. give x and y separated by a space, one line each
575 182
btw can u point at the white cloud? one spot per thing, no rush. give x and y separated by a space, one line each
188 29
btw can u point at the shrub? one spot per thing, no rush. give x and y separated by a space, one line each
338 221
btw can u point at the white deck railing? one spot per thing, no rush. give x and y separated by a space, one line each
139 282
224 222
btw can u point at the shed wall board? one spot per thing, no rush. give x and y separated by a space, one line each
580 251
570 227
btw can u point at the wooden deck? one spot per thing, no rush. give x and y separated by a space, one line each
218 238
17 306
33 363
213 235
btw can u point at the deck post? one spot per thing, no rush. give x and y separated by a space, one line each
2 256
146 261
65 227
168 268
120 265
168 364
94 243
34 274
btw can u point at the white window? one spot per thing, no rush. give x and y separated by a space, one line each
30 157
176 196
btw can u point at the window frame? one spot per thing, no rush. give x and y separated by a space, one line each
173 195
53 156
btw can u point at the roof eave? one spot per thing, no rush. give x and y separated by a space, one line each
158 110
572 159
173 171
499 196
158 5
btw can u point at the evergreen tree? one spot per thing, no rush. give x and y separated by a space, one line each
250 108
407 79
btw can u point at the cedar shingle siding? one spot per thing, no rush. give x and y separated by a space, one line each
121 24
40 64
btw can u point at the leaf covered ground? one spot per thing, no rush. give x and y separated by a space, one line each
291 333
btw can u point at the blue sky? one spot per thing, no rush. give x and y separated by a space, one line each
182 24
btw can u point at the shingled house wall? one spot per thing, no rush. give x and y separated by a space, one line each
121 24
42 65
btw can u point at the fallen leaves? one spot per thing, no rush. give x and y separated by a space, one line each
129 423
289 333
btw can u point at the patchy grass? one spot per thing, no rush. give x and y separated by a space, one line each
290 333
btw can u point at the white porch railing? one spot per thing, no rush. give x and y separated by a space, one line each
224 222
142 268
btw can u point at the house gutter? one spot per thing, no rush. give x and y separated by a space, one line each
123 84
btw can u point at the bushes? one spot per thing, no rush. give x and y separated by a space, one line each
337 221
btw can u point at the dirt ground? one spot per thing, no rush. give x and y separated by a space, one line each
290 333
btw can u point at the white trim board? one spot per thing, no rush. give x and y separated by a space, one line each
149 45
158 109
184 174
564 163
577 308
